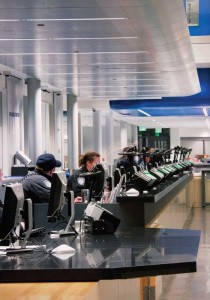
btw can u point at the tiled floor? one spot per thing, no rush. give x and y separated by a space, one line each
193 286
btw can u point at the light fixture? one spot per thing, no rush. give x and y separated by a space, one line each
205 111
70 53
96 73
73 19
118 86
88 64
143 112
54 20
66 39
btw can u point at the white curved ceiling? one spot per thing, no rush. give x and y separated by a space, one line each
101 49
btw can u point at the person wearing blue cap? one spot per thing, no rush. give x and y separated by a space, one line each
37 184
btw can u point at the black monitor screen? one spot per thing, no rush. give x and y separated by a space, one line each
57 198
98 184
13 205
117 176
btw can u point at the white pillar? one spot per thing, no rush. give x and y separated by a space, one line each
97 131
174 137
123 134
72 132
134 135
34 118
109 139
58 126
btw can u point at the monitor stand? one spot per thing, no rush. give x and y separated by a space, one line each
17 247
67 231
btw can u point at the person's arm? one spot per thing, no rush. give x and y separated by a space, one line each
72 184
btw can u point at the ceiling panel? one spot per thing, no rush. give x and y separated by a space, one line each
96 49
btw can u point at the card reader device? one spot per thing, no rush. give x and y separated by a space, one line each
99 220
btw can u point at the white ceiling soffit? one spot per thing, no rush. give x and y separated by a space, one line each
190 122
201 50
103 49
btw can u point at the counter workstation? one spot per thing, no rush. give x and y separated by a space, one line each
138 211
114 261
137 253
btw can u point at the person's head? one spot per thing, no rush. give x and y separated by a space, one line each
47 163
151 150
89 160
126 149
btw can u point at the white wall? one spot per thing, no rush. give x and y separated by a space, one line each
176 134
194 132
174 137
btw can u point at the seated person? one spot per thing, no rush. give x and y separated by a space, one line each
88 163
37 184
124 160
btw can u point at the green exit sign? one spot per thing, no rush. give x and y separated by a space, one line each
142 128
158 130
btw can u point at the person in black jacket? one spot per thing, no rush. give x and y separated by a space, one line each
89 163
37 184
125 161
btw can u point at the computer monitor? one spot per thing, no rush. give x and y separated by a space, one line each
117 176
99 181
23 158
94 180
58 198
11 215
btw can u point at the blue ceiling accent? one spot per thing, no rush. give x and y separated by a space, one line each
176 106
175 111
160 112
169 106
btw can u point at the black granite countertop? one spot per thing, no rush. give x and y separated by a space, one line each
142 252
163 189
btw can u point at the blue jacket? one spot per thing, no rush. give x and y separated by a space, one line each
37 186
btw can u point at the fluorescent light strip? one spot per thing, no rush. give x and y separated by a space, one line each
107 73
92 64
127 91
143 112
124 92
99 80
52 20
70 53
132 98
205 112
66 39
124 98
114 86
136 93
119 95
